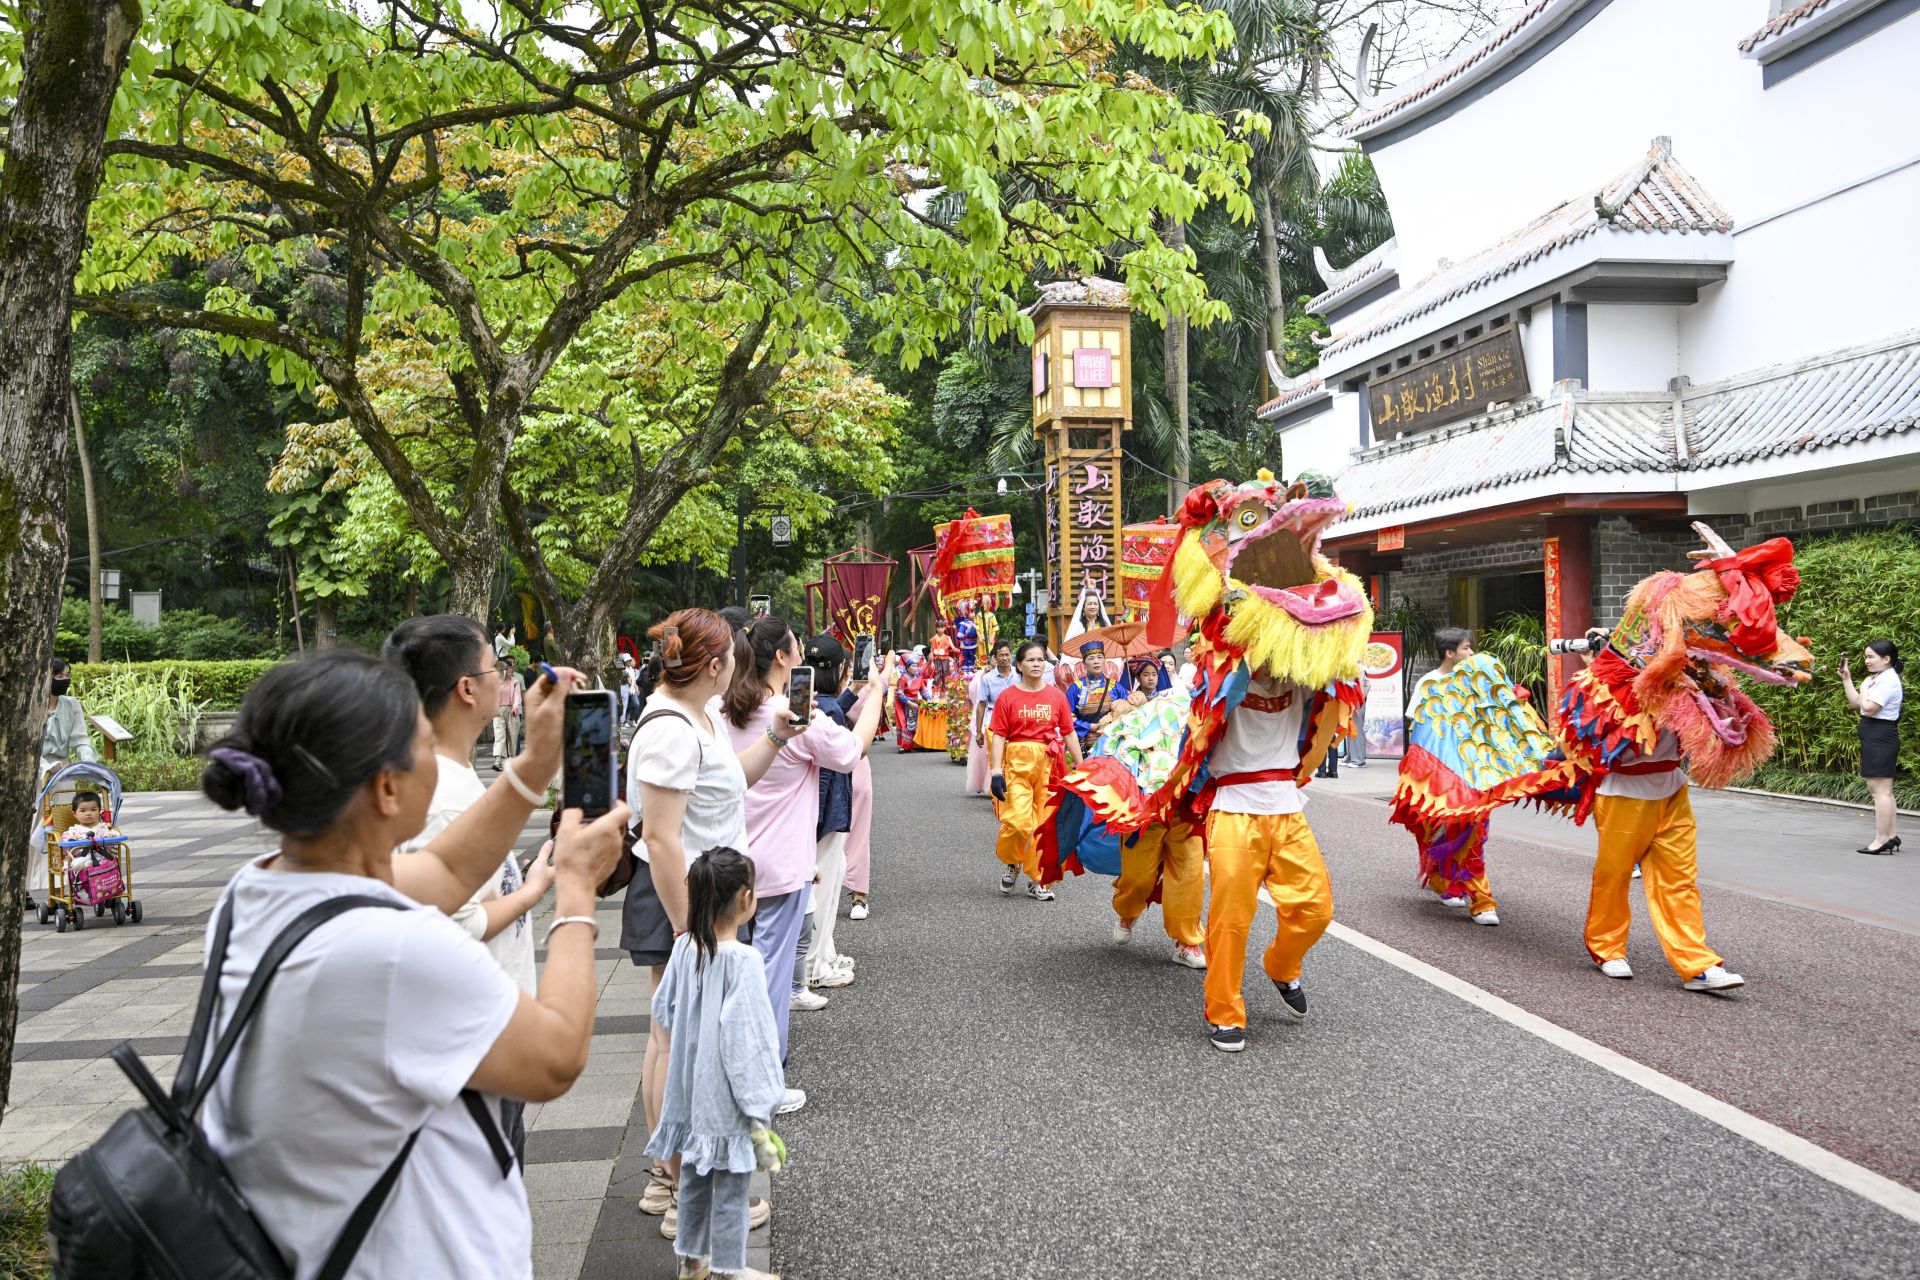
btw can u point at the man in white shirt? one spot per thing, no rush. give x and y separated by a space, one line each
459 678
1256 834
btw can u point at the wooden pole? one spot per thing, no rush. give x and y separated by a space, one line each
94 604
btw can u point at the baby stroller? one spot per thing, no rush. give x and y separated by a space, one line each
92 872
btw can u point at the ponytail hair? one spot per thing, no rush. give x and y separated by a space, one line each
685 643
754 650
714 882
1890 651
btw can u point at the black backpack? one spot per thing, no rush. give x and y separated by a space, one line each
151 1199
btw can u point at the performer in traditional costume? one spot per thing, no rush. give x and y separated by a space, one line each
966 636
908 692
1033 746
1282 634
988 685
1096 694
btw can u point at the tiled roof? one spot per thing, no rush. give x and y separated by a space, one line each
1293 395
1842 397
1790 18
1657 194
1376 264
1563 431
1087 291
1530 24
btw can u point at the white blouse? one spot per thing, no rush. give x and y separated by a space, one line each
1883 688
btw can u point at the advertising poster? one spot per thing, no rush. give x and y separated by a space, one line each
1385 667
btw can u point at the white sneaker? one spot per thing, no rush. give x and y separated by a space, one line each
806 1001
791 1101
1039 892
1715 979
830 977
1456 903
1636 871
1122 932
858 911
1487 918
1616 969
1009 879
1191 957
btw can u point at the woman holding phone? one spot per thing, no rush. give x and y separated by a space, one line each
1878 701
690 786
783 807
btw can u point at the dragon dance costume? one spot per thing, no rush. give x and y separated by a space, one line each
1662 696
1282 634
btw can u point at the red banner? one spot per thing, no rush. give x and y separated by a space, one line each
856 593
1556 621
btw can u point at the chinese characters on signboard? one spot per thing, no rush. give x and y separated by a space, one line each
1092 367
1051 550
1090 499
1452 385
1392 538
1556 674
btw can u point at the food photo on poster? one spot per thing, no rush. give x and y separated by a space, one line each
1384 664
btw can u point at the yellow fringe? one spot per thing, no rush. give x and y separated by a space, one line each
1278 645
1196 582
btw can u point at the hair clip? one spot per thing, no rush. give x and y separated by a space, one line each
313 762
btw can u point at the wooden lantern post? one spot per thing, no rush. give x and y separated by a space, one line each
1082 408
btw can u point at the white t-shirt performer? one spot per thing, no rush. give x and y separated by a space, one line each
1256 834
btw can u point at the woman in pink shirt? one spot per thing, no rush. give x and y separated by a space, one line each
783 807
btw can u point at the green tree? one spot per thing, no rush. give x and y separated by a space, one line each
489 191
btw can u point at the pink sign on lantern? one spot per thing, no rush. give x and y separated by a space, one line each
1039 373
1092 367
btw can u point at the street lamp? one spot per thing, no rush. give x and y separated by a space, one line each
110 583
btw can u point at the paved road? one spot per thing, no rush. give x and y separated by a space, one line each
1005 1094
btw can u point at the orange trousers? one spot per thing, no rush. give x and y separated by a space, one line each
1658 837
1246 850
1479 892
1027 767
1177 855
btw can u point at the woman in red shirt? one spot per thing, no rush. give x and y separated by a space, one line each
1032 738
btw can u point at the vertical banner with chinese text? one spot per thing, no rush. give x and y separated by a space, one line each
1556 678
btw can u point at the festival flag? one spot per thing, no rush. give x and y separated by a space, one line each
856 593
1145 552
974 561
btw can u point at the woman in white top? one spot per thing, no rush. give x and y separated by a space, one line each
691 787
1878 701
381 1018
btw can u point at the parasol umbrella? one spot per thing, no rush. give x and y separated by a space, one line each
1123 640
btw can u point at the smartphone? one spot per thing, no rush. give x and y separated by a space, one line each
589 776
800 693
862 657
886 641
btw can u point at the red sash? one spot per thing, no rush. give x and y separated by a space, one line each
1644 767
1258 775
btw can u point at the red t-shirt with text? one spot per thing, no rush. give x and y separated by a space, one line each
1020 716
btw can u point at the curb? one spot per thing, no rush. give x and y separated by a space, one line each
1832 804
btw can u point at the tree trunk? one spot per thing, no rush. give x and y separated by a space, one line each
1270 267
1176 374
472 569
93 527
75 53
326 624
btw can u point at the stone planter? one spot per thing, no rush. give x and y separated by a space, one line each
214 725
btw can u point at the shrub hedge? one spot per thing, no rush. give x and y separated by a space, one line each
220 685
159 773
1853 588
183 634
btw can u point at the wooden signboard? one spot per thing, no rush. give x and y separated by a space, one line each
1451 385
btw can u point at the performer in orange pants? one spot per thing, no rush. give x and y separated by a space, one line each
1031 739
1176 857
1245 851
1657 835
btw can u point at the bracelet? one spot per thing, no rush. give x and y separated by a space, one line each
527 793
777 741
588 921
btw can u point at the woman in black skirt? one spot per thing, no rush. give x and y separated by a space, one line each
1878 702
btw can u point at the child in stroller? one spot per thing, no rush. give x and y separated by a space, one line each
83 839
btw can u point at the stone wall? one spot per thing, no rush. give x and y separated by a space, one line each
1624 553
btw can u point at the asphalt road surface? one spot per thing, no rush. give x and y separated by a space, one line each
1004 1093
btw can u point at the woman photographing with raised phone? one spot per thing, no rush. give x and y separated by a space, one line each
1878 701
783 807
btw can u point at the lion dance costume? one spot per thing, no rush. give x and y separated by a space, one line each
1662 694
1282 632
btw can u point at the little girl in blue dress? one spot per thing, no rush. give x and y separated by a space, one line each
724 1077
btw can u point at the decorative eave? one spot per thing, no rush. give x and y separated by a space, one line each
1088 291
1801 25
1655 215
1347 283
1536 22
1295 396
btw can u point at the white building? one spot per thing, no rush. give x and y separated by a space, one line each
1654 262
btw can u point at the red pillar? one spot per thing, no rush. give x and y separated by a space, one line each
1568 555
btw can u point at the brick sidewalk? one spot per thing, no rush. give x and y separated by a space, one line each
83 993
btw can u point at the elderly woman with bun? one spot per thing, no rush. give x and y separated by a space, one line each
388 1034
1878 701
